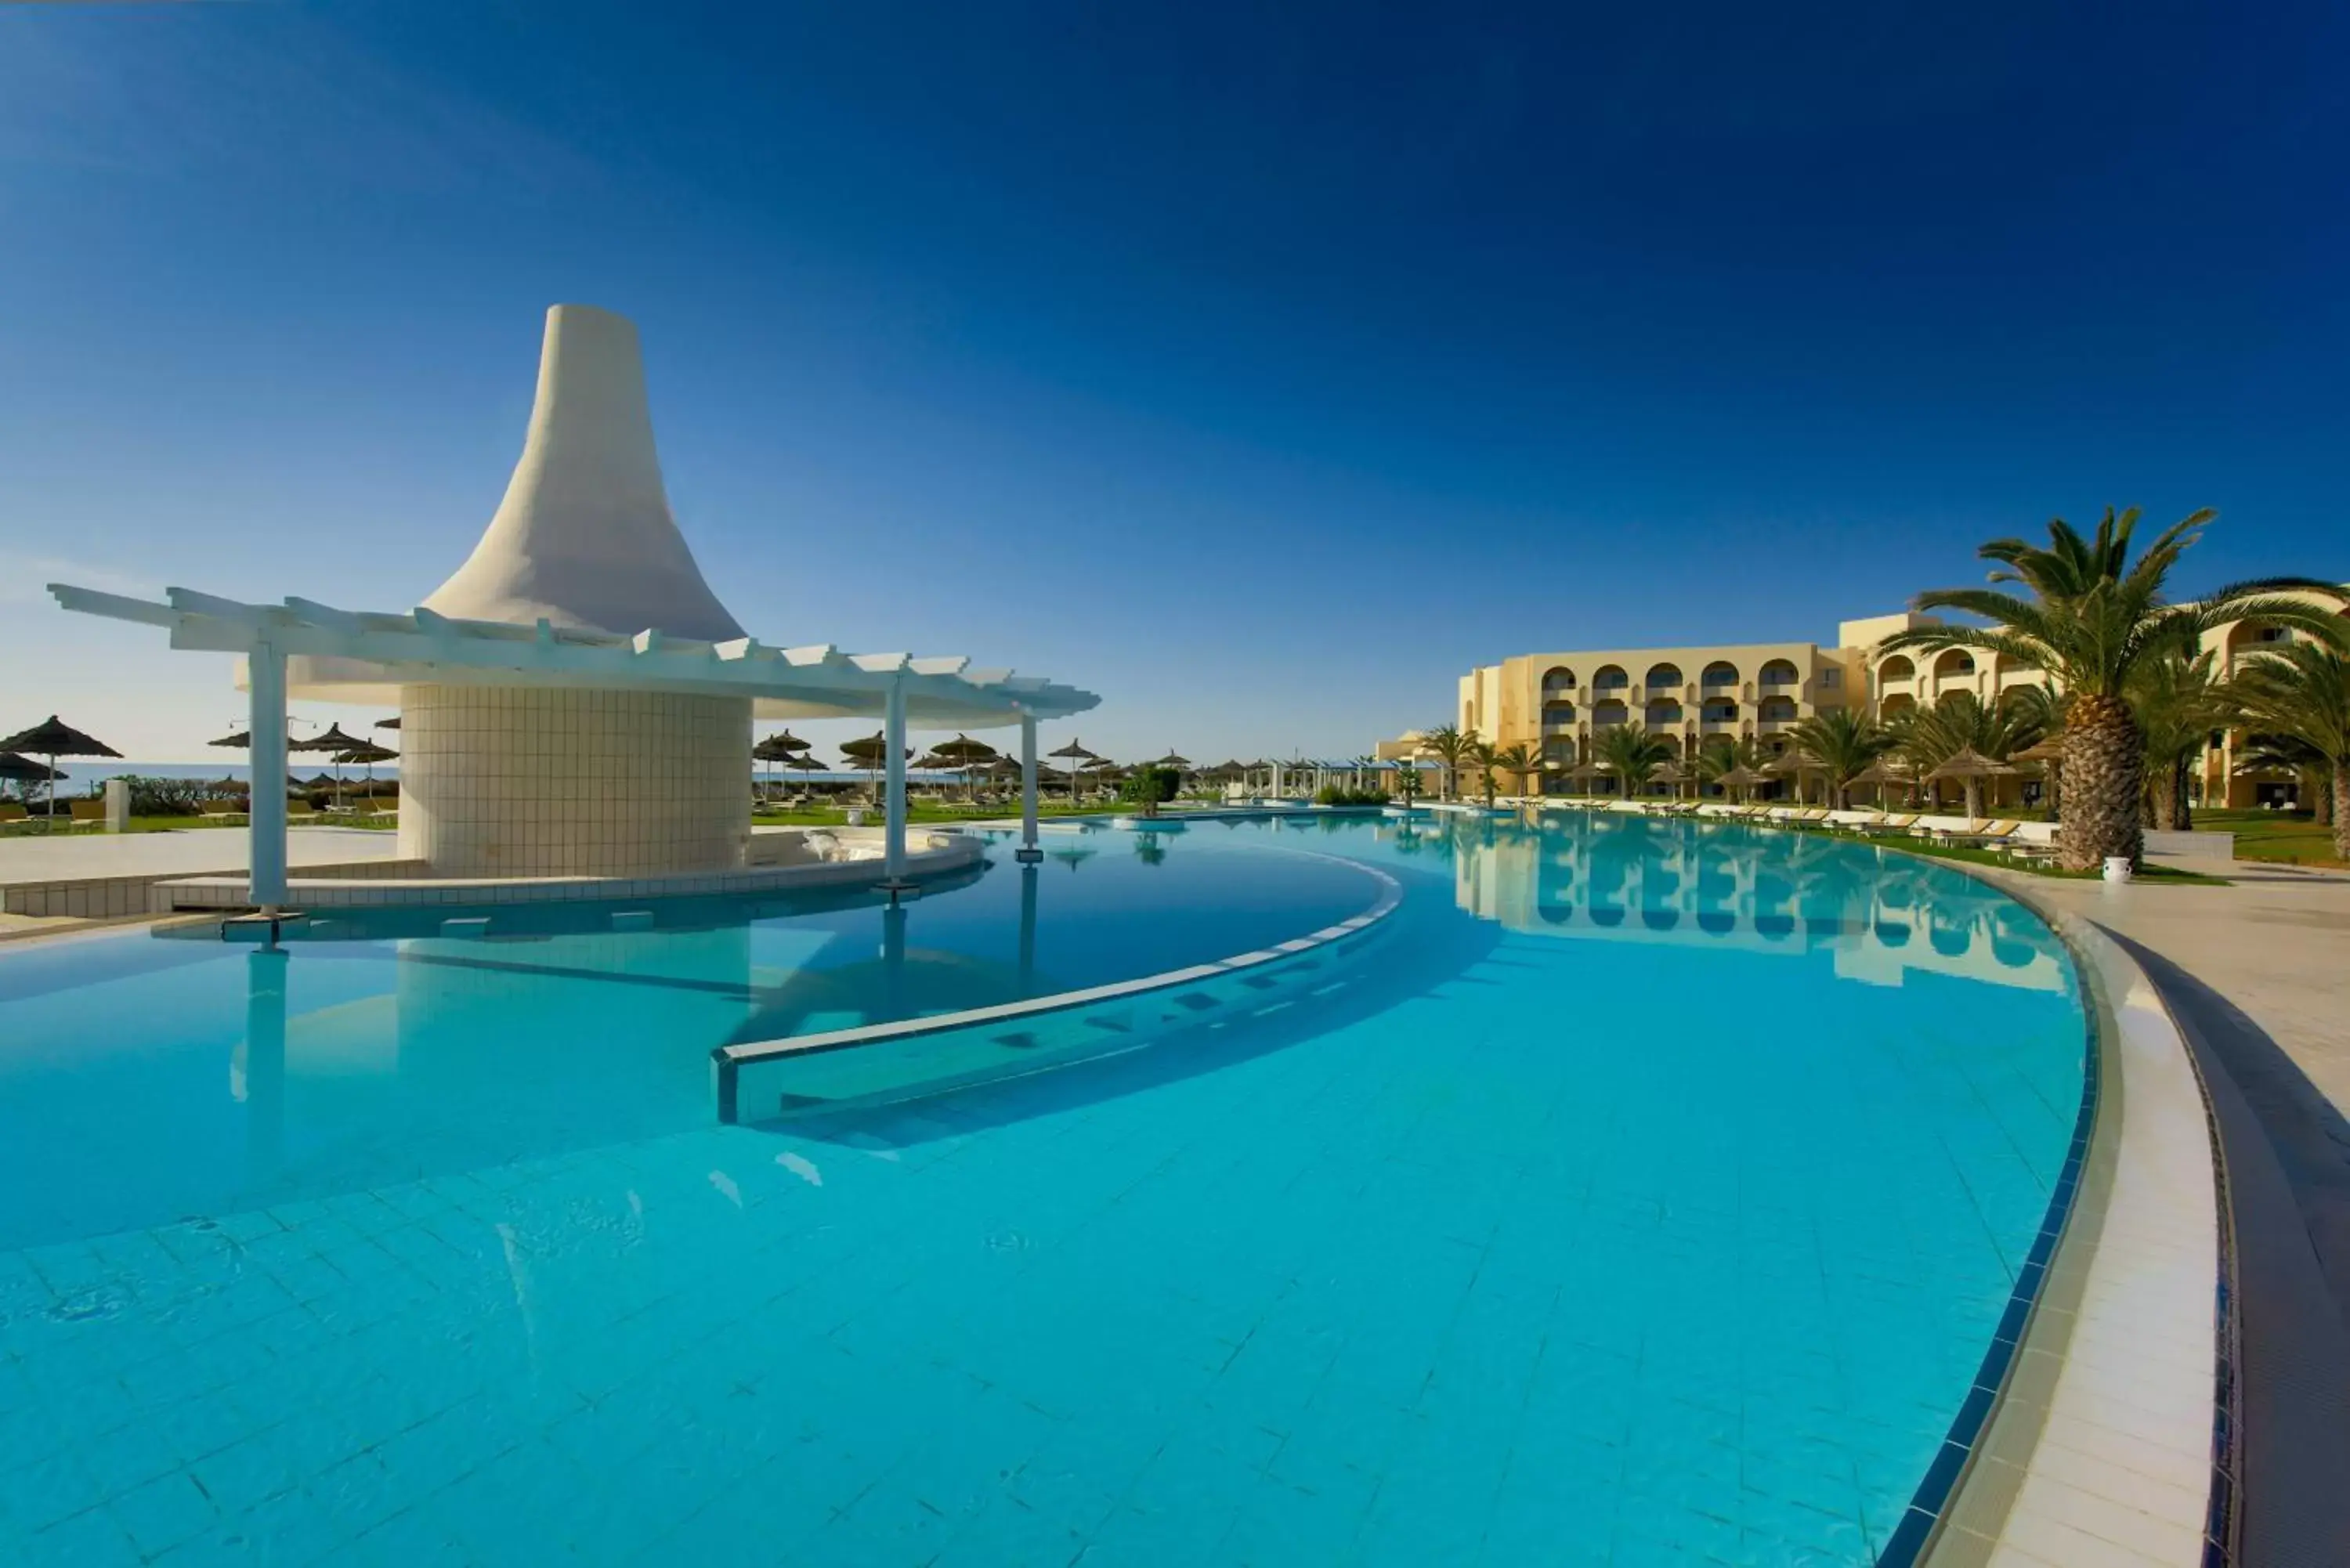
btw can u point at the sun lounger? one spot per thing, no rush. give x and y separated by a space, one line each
1896 822
87 813
11 811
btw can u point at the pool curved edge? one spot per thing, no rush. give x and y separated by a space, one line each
2100 1436
1215 991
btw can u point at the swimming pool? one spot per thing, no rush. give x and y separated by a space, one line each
1649 1197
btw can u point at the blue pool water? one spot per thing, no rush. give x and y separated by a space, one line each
1648 1194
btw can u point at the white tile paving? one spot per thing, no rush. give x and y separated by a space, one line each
2122 1472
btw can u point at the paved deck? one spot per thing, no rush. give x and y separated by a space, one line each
2275 943
53 857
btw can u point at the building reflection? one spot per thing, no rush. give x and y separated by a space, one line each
1882 916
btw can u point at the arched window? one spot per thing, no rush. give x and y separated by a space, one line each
1665 675
1780 672
1664 712
1558 678
1954 661
1720 672
1610 678
1897 668
1557 713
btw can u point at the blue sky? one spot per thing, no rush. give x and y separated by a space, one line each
1262 372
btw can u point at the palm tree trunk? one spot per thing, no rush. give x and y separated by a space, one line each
2319 787
2338 800
2162 792
2105 777
1974 800
2183 816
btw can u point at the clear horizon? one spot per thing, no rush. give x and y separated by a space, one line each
1262 374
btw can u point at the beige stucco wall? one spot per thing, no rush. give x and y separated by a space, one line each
549 781
1510 702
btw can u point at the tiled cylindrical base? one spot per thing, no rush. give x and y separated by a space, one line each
519 781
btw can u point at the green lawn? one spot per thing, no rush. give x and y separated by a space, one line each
2284 836
1979 856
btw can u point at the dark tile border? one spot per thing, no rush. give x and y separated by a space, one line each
1931 1503
2280 1428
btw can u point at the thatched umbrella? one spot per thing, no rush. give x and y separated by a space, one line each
1742 777
240 739
330 739
1972 767
1883 772
2050 754
1789 764
53 739
1078 757
1669 771
963 754
369 753
391 723
780 747
24 772
872 754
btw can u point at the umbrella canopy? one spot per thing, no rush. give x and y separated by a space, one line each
53 739
1668 773
367 752
239 739
332 740
804 764
779 747
1743 778
1074 749
25 770
1785 764
869 751
962 751
323 781
2051 750
1884 771
1172 761
1966 762
391 723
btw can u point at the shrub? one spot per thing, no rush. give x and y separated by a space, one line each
164 797
1339 794
1148 787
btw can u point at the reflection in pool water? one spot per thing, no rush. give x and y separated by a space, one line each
1652 1196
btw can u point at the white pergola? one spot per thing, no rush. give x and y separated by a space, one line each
363 656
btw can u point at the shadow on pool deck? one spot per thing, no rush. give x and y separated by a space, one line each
2286 1153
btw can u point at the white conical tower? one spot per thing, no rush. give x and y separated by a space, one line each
584 536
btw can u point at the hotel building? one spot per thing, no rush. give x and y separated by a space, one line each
1762 690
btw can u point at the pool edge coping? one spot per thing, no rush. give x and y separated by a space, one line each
1975 1520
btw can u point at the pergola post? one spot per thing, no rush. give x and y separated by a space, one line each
265 681
1029 852
893 828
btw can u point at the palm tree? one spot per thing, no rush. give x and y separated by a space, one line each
1722 753
1449 745
1481 756
2093 617
1842 742
1521 761
1634 753
2178 701
1929 737
2302 691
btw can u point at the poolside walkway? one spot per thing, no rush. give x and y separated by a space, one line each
2277 943
57 858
